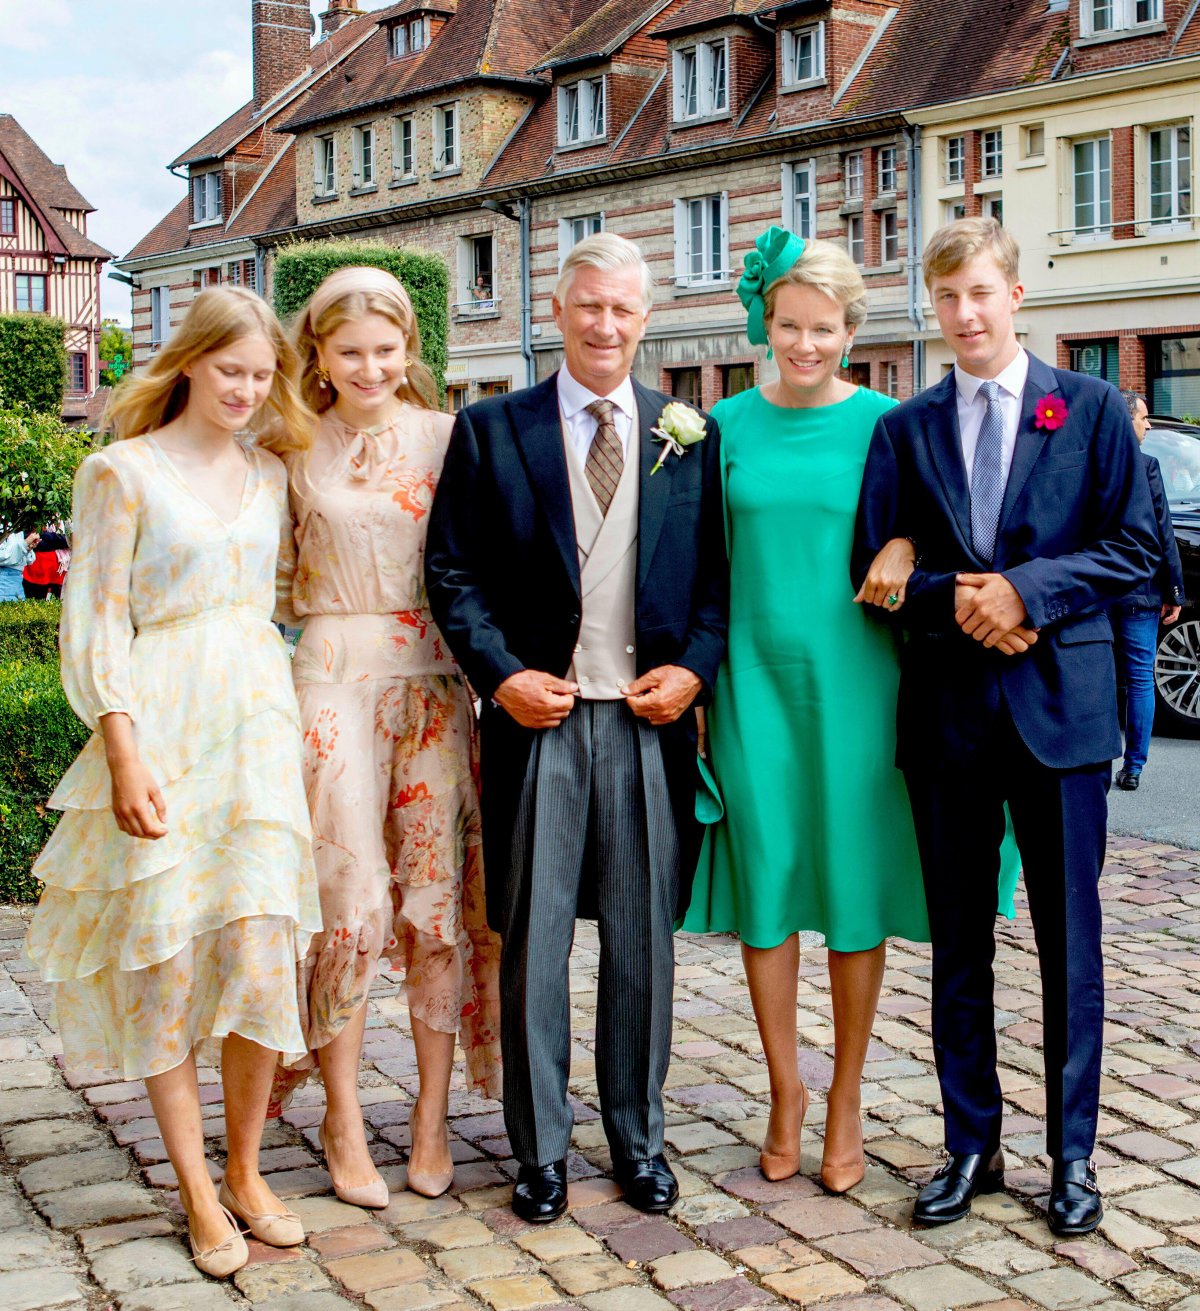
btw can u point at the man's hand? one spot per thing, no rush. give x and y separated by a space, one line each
1018 641
537 700
987 607
1170 613
661 695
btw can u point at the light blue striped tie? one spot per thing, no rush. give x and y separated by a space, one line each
987 475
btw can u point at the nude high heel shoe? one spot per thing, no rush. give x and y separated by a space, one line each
275 1228
777 1166
374 1196
428 1183
224 1259
838 1179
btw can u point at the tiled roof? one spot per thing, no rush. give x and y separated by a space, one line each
169 233
48 186
604 31
707 13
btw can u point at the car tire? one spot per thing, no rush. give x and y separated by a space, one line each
1177 678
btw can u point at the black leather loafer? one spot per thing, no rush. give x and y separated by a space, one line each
1128 779
1075 1206
541 1192
649 1185
948 1195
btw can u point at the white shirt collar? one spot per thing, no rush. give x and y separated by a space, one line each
573 396
1011 379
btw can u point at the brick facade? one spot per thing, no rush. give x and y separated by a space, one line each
280 35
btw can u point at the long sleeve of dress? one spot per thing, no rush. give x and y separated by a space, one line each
285 571
97 630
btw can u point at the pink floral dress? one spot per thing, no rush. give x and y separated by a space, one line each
390 755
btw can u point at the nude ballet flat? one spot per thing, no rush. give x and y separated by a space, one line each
224 1259
777 1166
275 1228
374 1196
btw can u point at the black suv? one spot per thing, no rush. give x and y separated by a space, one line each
1176 447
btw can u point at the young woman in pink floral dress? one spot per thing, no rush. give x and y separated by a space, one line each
389 732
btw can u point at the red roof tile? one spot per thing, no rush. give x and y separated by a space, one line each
604 31
708 13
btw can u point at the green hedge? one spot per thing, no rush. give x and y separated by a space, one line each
301 268
33 362
29 630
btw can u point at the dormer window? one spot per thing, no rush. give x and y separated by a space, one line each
701 80
1099 17
804 55
410 36
581 112
206 197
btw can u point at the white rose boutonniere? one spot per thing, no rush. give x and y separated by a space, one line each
678 427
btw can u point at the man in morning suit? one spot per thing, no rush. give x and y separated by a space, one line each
1022 488
587 601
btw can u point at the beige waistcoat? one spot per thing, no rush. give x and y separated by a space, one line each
605 656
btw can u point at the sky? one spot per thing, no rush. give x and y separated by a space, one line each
115 90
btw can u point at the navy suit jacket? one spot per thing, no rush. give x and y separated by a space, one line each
502 571
1076 533
1166 587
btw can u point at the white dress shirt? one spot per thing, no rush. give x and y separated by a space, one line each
972 407
580 426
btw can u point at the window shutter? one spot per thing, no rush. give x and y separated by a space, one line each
681 242
724 271
787 187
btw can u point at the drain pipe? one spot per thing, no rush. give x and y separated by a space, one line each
916 242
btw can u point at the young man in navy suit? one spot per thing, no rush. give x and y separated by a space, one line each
1022 489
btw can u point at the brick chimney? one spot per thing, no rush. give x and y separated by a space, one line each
282 31
339 12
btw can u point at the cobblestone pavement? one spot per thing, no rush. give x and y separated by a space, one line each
88 1217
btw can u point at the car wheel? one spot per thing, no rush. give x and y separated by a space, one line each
1177 678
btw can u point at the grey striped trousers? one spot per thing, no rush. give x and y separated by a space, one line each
594 807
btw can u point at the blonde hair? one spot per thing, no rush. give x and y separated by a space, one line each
957 243
216 319
346 296
610 252
829 269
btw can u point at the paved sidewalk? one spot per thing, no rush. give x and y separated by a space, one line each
88 1218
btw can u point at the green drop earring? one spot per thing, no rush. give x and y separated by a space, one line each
846 360
770 353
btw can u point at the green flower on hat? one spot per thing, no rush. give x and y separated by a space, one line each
774 253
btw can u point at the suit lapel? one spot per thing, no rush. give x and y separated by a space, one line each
945 444
653 492
538 427
1040 381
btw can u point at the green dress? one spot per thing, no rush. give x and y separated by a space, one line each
817 833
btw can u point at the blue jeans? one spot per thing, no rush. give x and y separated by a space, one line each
1136 632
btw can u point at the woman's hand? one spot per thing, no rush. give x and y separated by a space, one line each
888 575
137 802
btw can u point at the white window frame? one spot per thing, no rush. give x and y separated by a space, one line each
582 111
709 96
206 198
1120 15
954 160
444 162
888 163
571 231
799 179
1033 141
793 37
852 173
418 34
403 167
856 245
1099 227
954 209
993 207
891 379
991 154
364 156
709 267
889 217
325 165
399 42
467 304
160 314
1179 176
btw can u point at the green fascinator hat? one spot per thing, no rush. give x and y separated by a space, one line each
774 253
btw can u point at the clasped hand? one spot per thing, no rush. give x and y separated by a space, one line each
989 608
539 700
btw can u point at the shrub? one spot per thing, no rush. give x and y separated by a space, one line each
38 458
33 362
29 631
301 267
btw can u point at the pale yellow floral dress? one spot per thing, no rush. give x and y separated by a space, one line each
154 947
390 755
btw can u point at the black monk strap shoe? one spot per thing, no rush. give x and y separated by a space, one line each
649 1185
541 1192
1074 1206
948 1195
1128 779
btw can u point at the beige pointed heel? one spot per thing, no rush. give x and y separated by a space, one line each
374 1196
275 1228
777 1166
226 1258
838 1179
429 1183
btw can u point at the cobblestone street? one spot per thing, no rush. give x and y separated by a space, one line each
89 1219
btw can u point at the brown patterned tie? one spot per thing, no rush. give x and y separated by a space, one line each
604 458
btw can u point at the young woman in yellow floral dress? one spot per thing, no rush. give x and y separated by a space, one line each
180 890
389 733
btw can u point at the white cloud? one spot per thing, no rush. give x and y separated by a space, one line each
21 29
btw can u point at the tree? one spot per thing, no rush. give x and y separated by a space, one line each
33 362
38 458
116 352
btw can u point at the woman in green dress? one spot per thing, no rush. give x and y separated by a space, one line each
817 833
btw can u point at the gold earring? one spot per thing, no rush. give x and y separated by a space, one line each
322 376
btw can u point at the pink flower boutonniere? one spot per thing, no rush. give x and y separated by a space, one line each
1051 413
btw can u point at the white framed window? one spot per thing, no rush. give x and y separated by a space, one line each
325 166
403 155
804 55
886 157
1033 141
206 197
702 240
476 273
399 40
445 138
701 80
889 236
954 159
854 239
953 209
364 157
418 34
991 153
800 198
1092 195
1170 158
242 273
993 207
1096 17
853 170
571 231
160 314
891 379
581 111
